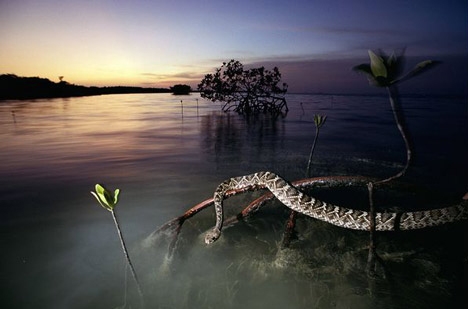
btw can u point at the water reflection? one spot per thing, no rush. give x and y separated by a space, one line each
61 251
115 136
231 139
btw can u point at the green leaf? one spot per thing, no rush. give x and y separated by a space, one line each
363 68
97 198
99 201
103 194
393 66
377 65
116 196
100 192
319 120
105 197
366 69
421 67
392 60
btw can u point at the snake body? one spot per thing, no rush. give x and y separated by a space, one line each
354 219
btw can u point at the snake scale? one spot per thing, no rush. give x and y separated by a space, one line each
354 219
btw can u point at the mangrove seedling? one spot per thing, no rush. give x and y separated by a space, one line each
319 121
385 71
108 201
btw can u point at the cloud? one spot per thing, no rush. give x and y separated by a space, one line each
191 78
180 75
353 31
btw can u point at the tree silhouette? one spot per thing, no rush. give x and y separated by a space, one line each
245 91
181 89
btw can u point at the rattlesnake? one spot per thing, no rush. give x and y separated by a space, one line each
354 219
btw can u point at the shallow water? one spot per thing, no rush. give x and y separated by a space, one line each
60 249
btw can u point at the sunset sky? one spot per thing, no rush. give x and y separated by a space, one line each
160 43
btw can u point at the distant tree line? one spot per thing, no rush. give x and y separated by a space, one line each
13 87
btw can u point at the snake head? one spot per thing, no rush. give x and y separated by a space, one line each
212 236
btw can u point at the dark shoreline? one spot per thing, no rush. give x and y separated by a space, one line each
13 87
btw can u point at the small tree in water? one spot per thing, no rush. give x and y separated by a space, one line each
108 201
181 89
245 91
386 71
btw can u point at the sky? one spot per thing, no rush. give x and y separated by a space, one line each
314 43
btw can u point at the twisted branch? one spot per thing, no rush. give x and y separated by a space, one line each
173 227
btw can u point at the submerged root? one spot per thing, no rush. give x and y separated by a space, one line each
172 228
318 261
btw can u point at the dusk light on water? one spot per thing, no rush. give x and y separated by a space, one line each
164 162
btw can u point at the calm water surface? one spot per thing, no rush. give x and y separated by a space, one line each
60 249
